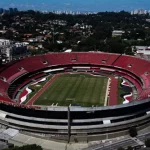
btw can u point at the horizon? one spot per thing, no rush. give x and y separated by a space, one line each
77 5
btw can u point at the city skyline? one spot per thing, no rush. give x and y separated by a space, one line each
77 5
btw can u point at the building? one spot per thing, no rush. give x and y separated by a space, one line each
4 42
117 33
145 50
1 10
15 10
136 12
11 10
148 20
19 50
142 51
12 51
139 12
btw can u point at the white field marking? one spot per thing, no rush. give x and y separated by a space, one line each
107 91
124 97
125 102
42 80
24 98
37 85
123 83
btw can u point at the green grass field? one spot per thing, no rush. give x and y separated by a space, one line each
81 89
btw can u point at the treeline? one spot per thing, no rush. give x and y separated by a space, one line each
97 38
26 147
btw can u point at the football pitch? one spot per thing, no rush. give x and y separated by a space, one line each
75 89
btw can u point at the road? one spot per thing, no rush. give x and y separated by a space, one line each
121 143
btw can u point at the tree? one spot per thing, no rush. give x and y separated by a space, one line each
128 51
116 45
8 35
129 148
120 148
147 142
27 147
133 132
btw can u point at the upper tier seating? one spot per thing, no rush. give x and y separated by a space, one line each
80 58
92 58
112 58
3 88
131 79
12 71
138 66
33 63
146 81
6 66
144 94
5 99
64 58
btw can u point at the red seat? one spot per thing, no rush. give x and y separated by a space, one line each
113 95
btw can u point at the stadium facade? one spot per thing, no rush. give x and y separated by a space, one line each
74 123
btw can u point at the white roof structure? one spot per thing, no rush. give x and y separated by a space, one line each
143 50
59 42
68 50
106 122
125 102
8 134
2 114
117 32
11 132
148 112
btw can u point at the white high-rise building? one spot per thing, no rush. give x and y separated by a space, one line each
4 42
136 12
132 12
10 51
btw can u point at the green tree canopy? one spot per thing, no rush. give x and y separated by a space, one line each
120 148
27 147
147 142
129 148
133 132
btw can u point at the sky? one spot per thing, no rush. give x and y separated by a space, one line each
77 5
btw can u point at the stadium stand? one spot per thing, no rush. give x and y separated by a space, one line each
22 82
33 63
144 94
130 63
123 63
3 88
113 96
116 59
146 81
74 121
112 59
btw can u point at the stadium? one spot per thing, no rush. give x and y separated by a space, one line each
75 96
